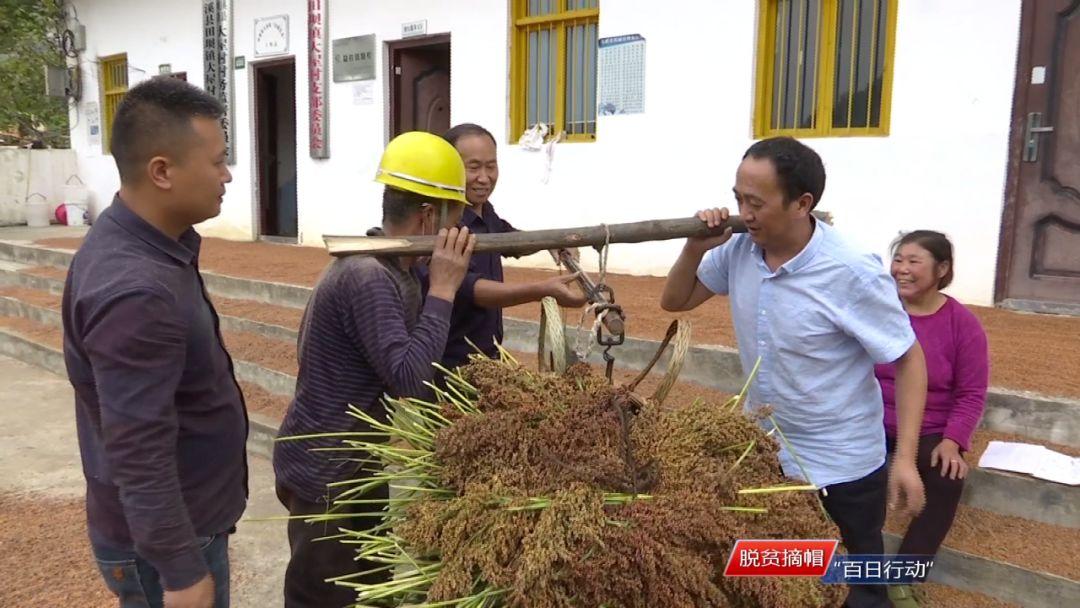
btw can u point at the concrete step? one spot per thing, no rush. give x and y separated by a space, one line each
34 255
281 294
17 274
1008 582
998 579
1023 496
1053 419
997 491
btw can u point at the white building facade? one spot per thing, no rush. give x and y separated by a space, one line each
939 156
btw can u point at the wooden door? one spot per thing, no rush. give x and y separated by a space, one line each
1039 260
420 89
275 129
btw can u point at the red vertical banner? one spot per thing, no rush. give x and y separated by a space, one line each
318 108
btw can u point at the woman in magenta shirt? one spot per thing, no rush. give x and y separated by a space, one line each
957 366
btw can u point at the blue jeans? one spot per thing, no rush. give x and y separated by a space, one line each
137 584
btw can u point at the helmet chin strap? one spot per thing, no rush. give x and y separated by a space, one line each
444 214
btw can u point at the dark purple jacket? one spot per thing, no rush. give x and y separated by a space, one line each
161 421
469 321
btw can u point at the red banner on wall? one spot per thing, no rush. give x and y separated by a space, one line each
318 108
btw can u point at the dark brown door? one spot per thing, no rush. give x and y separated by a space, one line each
275 136
420 85
1039 263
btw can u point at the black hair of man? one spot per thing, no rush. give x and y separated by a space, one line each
399 205
798 166
154 119
465 129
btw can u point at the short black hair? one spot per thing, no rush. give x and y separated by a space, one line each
399 205
465 129
934 242
154 117
798 167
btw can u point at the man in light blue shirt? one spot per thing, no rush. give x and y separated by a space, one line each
819 314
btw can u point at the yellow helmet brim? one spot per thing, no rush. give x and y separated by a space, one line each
423 187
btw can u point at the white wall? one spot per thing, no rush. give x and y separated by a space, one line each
151 33
942 167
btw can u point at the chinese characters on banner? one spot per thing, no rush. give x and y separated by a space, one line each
217 63
317 81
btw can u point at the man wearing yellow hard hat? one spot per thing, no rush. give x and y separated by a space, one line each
368 331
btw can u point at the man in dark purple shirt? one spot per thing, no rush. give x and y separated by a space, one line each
161 421
477 316
368 332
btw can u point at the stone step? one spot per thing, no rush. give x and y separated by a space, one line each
34 255
988 489
1008 582
1053 419
998 579
997 491
14 274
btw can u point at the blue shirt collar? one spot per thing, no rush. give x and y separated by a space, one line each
801 259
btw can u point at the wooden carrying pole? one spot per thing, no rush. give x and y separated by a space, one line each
531 241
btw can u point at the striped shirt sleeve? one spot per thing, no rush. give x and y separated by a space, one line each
377 318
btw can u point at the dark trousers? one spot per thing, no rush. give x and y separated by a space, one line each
137 584
928 530
311 562
858 508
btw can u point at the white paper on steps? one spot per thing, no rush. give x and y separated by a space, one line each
1032 459
1059 468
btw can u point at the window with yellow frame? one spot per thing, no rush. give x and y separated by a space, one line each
114 85
553 67
824 67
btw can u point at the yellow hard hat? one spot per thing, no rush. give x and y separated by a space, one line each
425 164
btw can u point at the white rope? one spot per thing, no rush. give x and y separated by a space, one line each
583 355
604 253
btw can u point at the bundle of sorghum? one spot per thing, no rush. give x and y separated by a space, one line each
523 489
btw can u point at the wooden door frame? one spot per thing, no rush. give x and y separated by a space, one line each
392 84
255 68
1007 234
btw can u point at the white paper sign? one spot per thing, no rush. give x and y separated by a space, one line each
1038 74
93 123
621 75
364 93
414 28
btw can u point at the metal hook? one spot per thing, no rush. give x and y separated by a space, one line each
609 359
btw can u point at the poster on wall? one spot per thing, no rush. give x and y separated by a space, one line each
318 110
622 75
364 93
93 123
217 63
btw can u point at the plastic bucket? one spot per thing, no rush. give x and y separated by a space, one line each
76 194
75 204
76 214
37 214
